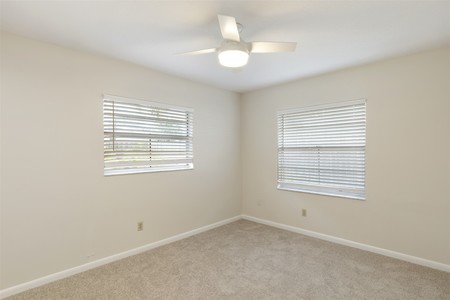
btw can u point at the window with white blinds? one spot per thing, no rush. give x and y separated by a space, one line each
141 136
322 149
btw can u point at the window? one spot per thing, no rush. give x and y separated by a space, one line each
322 149
141 136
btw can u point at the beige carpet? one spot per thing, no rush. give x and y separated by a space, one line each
246 260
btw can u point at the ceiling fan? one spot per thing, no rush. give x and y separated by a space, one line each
234 52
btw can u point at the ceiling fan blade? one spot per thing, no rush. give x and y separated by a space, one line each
268 47
229 28
203 51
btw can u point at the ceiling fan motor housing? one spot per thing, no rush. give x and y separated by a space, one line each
228 45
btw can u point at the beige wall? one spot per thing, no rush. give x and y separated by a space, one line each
56 206
407 156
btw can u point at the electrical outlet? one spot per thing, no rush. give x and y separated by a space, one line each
140 226
303 212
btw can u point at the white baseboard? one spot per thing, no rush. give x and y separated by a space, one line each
405 257
72 271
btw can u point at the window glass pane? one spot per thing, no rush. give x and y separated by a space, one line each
142 136
322 149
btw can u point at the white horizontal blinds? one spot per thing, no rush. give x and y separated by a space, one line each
145 137
322 149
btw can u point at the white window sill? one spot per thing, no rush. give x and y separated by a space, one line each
324 193
152 170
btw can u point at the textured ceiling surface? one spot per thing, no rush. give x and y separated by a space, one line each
331 35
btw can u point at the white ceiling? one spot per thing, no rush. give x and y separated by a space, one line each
331 34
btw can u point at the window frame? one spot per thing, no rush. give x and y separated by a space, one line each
128 169
343 192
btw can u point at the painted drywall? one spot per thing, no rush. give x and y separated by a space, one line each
57 209
407 156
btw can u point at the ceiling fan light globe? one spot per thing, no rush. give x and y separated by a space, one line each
233 58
